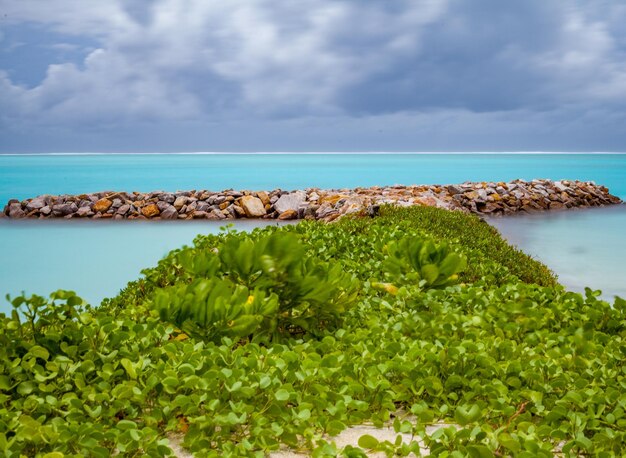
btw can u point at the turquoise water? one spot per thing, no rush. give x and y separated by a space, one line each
96 259
585 247
27 176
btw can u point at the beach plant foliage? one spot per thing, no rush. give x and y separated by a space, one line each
503 362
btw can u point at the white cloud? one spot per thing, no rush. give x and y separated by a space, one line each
279 57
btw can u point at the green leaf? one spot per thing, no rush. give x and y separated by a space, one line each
39 352
368 442
467 414
5 382
126 424
129 368
281 395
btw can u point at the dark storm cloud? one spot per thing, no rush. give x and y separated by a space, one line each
243 74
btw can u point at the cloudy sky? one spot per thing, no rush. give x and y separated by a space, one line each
312 75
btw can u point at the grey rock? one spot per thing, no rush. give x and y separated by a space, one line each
15 210
291 201
123 209
169 198
84 211
169 212
36 204
45 210
162 205
64 209
117 203
202 206
452 189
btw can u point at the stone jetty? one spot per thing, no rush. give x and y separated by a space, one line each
484 198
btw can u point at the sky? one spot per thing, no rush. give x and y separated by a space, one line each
312 75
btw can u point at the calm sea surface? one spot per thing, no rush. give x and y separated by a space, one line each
97 259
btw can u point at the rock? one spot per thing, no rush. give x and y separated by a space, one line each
45 210
64 209
324 210
117 203
288 214
102 205
453 190
169 212
123 209
162 205
150 210
180 202
265 198
168 198
15 211
199 214
253 207
239 212
35 204
203 206
84 211
291 201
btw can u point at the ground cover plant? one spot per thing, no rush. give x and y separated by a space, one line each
247 343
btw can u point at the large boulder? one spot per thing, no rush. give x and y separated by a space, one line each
252 206
291 201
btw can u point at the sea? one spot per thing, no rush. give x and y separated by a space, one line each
584 247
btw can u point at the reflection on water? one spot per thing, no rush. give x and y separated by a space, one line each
584 247
95 259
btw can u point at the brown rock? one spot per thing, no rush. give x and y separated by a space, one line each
102 205
253 206
289 214
150 210
224 205
180 202
240 212
265 198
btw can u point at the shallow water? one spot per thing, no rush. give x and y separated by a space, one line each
95 259
584 247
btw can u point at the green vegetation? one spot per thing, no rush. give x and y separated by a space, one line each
246 343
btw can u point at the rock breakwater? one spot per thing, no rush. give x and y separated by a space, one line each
327 204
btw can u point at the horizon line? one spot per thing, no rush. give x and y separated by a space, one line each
327 153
